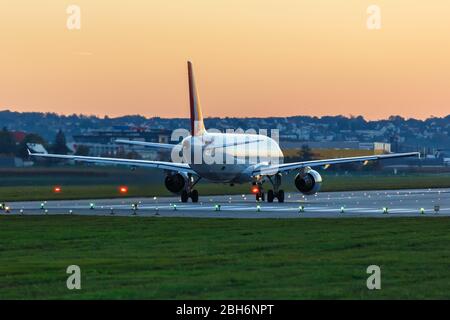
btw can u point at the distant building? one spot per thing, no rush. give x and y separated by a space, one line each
376 146
339 145
102 142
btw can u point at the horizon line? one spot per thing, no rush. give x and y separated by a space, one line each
237 117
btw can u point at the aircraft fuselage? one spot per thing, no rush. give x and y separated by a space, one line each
228 157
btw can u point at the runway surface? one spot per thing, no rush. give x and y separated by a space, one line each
389 203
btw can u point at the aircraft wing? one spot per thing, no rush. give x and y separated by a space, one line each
148 144
171 166
270 169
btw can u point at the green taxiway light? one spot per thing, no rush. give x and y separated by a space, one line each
42 205
217 207
174 207
91 206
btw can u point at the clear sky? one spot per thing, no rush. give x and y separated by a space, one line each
251 57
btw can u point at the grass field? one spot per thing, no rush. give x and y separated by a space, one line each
174 258
103 182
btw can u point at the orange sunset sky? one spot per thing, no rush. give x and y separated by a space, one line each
251 57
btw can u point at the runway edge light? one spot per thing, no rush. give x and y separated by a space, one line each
123 189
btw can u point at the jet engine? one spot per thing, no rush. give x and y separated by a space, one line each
308 182
175 182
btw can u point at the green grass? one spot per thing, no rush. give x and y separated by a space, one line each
175 258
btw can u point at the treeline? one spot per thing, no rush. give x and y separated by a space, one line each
43 123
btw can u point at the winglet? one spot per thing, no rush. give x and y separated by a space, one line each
197 126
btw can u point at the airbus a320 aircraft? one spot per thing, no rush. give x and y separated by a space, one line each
226 158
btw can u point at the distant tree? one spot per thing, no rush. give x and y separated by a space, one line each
306 153
59 146
22 151
82 150
7 144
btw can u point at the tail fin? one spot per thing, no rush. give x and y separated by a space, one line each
197 126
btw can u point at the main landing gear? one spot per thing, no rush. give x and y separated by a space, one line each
271 194
189 191
185 195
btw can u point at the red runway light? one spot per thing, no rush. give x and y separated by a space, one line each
57 189
255 190
123 189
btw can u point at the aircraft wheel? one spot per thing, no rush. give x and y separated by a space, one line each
194 196
270 196
260 196
184 196
280 196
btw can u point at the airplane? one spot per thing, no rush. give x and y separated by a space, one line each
250 158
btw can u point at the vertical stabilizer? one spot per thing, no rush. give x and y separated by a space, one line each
197 126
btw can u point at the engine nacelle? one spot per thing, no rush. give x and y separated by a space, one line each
308 182
175 182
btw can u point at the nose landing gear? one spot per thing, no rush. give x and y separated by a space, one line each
258 191
260 196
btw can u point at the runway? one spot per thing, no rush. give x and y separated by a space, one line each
389 203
